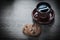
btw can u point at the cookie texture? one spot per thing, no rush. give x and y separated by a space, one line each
31 30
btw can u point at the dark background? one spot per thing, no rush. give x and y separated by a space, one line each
50 32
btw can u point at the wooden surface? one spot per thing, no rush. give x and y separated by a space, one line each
15 15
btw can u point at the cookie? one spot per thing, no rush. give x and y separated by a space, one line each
31 30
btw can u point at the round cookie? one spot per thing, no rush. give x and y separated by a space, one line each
31 30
